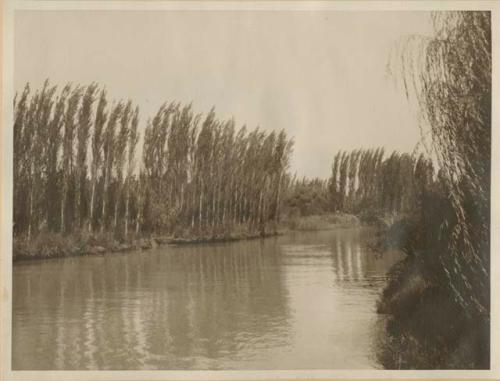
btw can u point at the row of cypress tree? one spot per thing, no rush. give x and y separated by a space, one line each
77 167
364 179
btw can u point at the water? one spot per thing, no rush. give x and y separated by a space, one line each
302 301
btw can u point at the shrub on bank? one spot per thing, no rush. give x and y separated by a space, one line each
48 245
55 245
370 216
322 222
426 322
426 328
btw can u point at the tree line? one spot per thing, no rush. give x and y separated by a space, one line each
306 197
77 168
365 181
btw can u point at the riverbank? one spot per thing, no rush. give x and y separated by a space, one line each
56 245
426 328
321 222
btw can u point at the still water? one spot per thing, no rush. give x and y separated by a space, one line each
301 301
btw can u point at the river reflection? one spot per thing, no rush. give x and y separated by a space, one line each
302 301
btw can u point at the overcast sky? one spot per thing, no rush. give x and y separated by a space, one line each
319 75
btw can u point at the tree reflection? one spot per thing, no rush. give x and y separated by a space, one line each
174 308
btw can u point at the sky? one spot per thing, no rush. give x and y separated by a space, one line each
320 75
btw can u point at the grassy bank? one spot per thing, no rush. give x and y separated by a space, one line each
338 220
56 245
321 222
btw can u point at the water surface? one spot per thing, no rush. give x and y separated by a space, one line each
301 301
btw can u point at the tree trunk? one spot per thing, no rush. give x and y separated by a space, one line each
201 207
92 196
30 212
138 217
115 216
236 207
127 199
63 199
182 199
193 206
77 201
103 214
214 199
277 209
259 208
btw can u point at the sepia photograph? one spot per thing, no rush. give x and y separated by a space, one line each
248 187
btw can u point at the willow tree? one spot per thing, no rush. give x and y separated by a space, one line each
449 75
